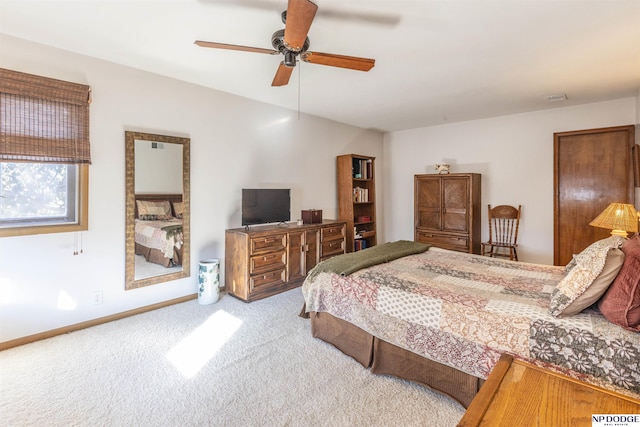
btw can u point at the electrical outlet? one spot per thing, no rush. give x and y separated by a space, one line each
97 297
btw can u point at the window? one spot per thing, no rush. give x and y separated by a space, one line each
44 154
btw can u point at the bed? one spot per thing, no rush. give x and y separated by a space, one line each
443 318
158 228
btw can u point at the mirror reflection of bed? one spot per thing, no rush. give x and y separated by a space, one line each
158 234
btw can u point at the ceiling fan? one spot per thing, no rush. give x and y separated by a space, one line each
292 42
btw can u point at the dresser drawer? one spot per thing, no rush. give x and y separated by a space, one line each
268 261
331 247
445 241
333 232
267 280
271 243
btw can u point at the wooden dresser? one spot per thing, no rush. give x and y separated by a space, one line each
519 394
265 260
447 211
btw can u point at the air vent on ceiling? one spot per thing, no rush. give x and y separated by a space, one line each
556 98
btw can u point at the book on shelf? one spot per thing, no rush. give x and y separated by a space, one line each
360 195
362 168
359 244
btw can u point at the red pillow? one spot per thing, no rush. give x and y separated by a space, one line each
621 303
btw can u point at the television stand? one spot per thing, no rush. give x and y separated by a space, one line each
261 261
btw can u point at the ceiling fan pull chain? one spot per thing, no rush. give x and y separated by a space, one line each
299 72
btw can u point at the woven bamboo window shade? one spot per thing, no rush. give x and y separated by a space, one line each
43 120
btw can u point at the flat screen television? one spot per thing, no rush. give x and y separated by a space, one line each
265 205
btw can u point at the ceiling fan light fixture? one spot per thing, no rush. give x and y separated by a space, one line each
290 58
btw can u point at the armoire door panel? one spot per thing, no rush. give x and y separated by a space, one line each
455 221
430 218
456 192
456 200
592 169
428 192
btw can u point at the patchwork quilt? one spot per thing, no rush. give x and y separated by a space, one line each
465 310
163 235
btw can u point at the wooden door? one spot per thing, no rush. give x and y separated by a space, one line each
592 168
455 202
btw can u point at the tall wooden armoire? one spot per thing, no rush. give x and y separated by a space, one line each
447 211
592 168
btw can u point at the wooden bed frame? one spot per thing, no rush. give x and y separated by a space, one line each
154 255
387 359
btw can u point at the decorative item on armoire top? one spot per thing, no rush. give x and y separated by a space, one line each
442 168
209 281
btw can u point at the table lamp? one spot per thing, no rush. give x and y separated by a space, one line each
620 218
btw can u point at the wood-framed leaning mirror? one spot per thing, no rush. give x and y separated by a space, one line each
157 225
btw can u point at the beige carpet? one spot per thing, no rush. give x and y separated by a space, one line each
226 364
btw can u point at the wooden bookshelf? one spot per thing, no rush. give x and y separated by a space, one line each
357 199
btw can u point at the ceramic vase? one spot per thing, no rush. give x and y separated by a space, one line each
209 281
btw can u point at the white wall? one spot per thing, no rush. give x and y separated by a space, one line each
235 143
513 153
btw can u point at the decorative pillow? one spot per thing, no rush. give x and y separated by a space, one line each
590 264
621 303
612 265
152 211
178 209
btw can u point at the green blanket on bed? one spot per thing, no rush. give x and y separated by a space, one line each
354 261
172 230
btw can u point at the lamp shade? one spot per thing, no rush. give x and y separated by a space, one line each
619 218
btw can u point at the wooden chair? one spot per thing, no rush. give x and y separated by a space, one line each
504 221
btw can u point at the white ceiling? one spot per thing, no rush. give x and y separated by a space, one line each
436 61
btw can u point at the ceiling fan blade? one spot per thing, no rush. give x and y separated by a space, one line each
342 61
283 74
235 47
300 14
